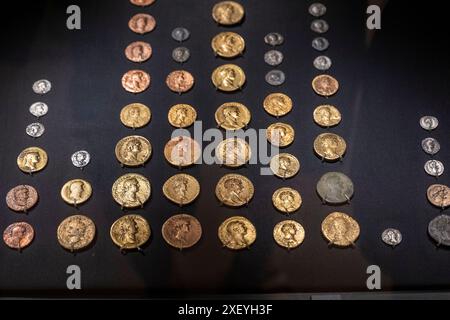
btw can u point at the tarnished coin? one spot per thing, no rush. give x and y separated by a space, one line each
429 123
273 57
181 189
322 63
325 85
319 26
317 9
237 233
39 109
76 233
434 168
228 44
32 159
274 39
181 54
439 195
42 86
182 151
228 13
76 192
234 190
131 190
392 237
232 116
233 152
133 151
431 146
278 104
180 34
35 130
228 77
142 23
81 159
138 51
135 115
18 236
180 81
280 134
335 188
22 198
275 77
182 231
142 3
287 200
439 230
130 232
182 115
340 229
330 146
327 116
284 165
136 81
289 234
320 44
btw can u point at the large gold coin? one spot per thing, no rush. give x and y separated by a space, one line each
131 190
325 85
133 151
182 231
234 190
330 146
228 44
287 200
278 104
237 233
32 159
285 165
439 195
135 115
182 151
76 233
289 234
76 192
340 229
228 13
181 189
130 232
182 115
228 77
233 152
327 116
232 116
280 134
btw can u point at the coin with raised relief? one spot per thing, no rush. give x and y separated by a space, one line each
233 152
130 232
278 104
439 195
274 39
275 77
42 86
81 159
142 3
289 234
32 160
322 63
232 116
434 168
181 54
182 151
330 146
431 146
181 189
228 13
180 81
439 230
280 134
340 229
228 78
234 190
392 237
182 231
237 233
142 23
327 116
138 51
429 123
228 44
35 130
287 200
319 26
273 58
39 109
285 165
180 34
182 115
335 188
22 198
325 85
18 235
131 190
135 115
320 44
133 151
136 81
317 9
76 192
76 233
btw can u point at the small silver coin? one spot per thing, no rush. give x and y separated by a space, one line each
39 109
320 44
431 146
275 77
429 123
180 34
335 188
35 130
273 58
181 54
81 159
322 63
274 39
319 26
392 237
317 9
42 86
434 168
439 230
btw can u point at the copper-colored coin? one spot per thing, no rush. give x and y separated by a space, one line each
182 115
284 165
327 116
228 13
32 159
181 189
280 134
136 81
233 152
76 192
330 146
228 77
182 151
131 190
289 234
133 151
234 190
22 198
278 104
18 235
232 116
439 195
135 115
180 81
325 85
340 229
130 232
182 231
228 44
142 3
142 23
237 233
287 200
138 51
76 233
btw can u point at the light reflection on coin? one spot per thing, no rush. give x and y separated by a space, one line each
278 104
181 189
228 78
273 58
429 123
322 63
335 188
228 44
182 115
35 130
81 159
42 86
319 26
18 236
234 190
142 23
135 115
133 151
317 9
131 190
275 77
76 192
233 152
138 51
130 232
327 116
274 39
182 231
39 109
287 200
76 233
289 234
439 195
136 81
228 13
284 165
340 229
320 44
325 85
280 134
180 34
232 116
237 233
22 198
431 146
391 237
439 230
182 151
434 168
180 81
181 54
32 159
330 146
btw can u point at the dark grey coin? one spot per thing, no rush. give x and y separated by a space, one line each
180 34
439 230
434 168
335 188
431 146
317 9
39 109
429 123
181 54
42 86
273 57
322 63
320 44
319 26
81 159
35 130
392 237
274 39
275 77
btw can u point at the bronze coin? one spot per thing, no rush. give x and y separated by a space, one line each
180 81
142 23
22 198
325 85
138 51
18 235
182 231
136 81
142 3
439 195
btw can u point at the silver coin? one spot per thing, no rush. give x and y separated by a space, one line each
429 123
317 9
275 77
81 159
180 34
39 109
392 237
35 130
431 146
274 39
273 57
42 86
439 230
181 54
322 63
335 188
434 168
319 26
320 44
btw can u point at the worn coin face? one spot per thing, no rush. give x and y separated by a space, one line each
431 146
35 130
182 231
181 54
280 134
439 230
135 115
327 116
142 23
234 190
180 81
237 233
434 168
22 198
32 159
138 51
320 44
130 232
181 189
76 233
180 34
18 235
429 123
278 104
273 57
133 151
42 86
233 152
136 81
289 234
182 151
228 77
325 85
319 26
322 63
284 165
39 109
131 190
275 77
335 188
182 115
232 116
330 146
228 13
274 39
81 159
439 195
228 44
287 200
76 192
340 229
392 237
142 3
317 9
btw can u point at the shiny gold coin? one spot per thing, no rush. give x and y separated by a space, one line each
340 229
234 190
228 13
182 151
182 231
287 200
278 104
135 115
133 151
280 134
131 190
228 77
76 233
325 85
285 165
330 146
76 192
181 189
237 233
439 195
182 115
233 152
32 159
233 116
327 116
130 232
289 234
228 44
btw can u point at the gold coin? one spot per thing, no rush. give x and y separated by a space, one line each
181 189
340 229
228 77
233 152
182 115
439 195
228 44
32 159
131 190
232 116
327 116
135 115
234 190
228 13
287 200
133 151
330 146
280 134
182 231
284 165
76 233
325 85
76 192
278 104
130 232
289 234
237 233
182 151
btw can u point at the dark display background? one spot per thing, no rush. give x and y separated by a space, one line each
389 79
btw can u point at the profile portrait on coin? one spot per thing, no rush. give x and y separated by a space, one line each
18 235
289 234
130 232
319 26
434 168
76 232
275 77
431 146
228 13
39 109
22 198
320 44
182 231
76 191
138 51
182 151
181 54
278 104
335 188
180 81
32 160
284 165
327 116
136 81
228 77
237 233
181 189
81 159
273 58
133 151
317 9
287 200
228 44
35 130
131 190
182 115
439 195
42 86
274 39
180 34
280 134
233 152
340 229
142 23
391 237
322 63
135 115
429 123
234 190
